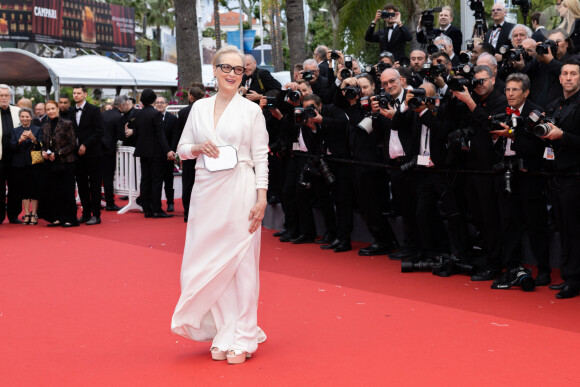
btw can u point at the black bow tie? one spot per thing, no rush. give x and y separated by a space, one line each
497 26
78 109
390 27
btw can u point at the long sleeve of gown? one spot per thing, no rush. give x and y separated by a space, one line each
259 149
186 141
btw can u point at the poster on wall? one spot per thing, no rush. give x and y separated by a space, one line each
73 23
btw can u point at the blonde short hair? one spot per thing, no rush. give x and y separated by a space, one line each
228 50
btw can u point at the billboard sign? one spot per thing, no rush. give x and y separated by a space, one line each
74 23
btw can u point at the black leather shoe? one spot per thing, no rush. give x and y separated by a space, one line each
404 253
559 286
148 214
543 279
378 249
326 239
84 219
287 237
112 207
330 246
161 215
170 208
302 239
94 220
486 274
67 225
15 221
278 234
342 247
568 291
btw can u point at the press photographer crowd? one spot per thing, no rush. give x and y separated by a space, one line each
471 148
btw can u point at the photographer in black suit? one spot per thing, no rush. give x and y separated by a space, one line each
394 36
319 56
88 125
172 135
188 166
523 202
152 147
445 28
256 82
129 113
499 34
320 85
479 189
564 138
113 132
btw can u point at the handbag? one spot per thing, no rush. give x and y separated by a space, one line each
36 157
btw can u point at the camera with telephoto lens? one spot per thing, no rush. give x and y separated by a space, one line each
385 99
465 57
495 121
428 22
460 139
334 55
464 70
419 96
386 14
519 276
512 55
351 92
469 44
457 84
409 165
538 123
308 75
421 266
524 5
447 265
345 73
546 47
370 69
316 166
301 115
294 95
279 148
430 71
433 48
382 66
271 102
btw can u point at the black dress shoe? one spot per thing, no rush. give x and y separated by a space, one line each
543 279
94 220
15 221
278 234
342 247
84 219
287 237
170 207
148 214
302 239
330 246
68 224
161 215
487 274
112 207
568 291
326 239
378 249
405 253
559 286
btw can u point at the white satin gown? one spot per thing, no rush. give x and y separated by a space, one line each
220 269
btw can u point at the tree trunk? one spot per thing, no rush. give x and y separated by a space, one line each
334 9
187 40
296 31
217 26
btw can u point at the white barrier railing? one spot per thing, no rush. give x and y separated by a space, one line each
128 177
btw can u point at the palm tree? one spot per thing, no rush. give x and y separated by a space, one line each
160 13
188 57
217 27
296 31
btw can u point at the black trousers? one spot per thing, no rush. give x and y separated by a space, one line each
288 200
89 181
566 194
433 188
275 175
525 206
404 189
168 181
187 181
320 191
108 167
58 200
370 188
342 193
152 183
7 180
482 202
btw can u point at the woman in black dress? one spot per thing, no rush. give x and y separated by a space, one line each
27 175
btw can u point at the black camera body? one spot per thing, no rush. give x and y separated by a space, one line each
513 55
382 66
538 123
443 265
352 92
385 99
419 96
334 55
271 102
460 139
457 84
294 95
386 14
316 166
546 47
301 115
519 276
308 75
430 71
346 73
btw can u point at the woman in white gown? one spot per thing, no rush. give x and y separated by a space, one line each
219 273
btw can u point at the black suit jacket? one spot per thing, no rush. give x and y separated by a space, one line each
171 130
545 84
333 131
396 45
40 121
526 145
538 36
453 32
262 81
129 118
323 89
150 139
323 69
503 38
567 149
89 130
113 130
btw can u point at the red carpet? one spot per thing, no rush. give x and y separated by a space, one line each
91 306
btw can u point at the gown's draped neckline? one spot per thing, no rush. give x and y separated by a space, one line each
215 124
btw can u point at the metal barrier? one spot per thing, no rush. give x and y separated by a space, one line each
128 177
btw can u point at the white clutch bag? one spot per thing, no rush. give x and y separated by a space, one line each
227 159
